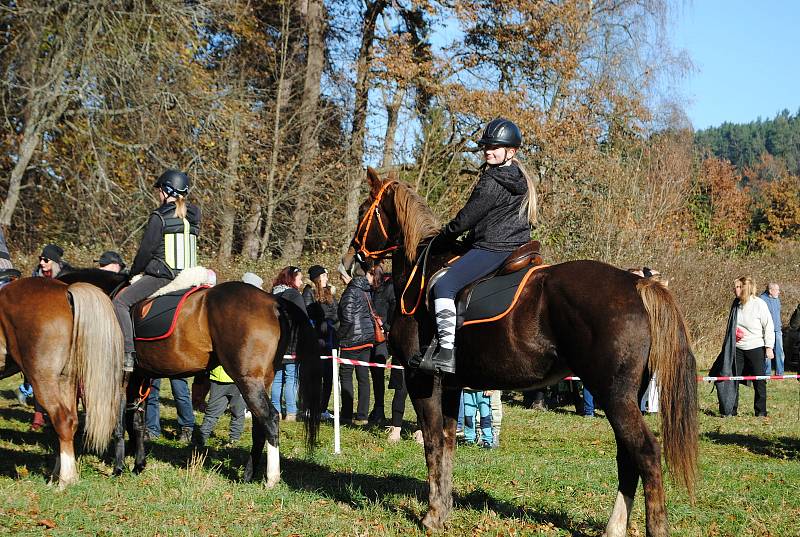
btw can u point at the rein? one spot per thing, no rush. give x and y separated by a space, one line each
422 260
366 225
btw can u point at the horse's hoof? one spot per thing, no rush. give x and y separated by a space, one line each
272 481
117 472
247 477
138 469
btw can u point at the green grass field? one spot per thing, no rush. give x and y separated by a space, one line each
554 474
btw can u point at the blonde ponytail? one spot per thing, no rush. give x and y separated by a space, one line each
530 205
180 207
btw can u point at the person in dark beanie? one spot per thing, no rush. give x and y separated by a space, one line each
51 262
322 309
111 261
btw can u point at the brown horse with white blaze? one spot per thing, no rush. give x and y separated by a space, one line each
610 327
61 335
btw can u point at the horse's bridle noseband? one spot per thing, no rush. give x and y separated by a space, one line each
365 225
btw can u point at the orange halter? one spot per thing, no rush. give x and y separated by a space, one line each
364 227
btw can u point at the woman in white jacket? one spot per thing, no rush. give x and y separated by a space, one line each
755 338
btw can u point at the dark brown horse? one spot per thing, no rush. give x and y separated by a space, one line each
60 335
610 327
247 331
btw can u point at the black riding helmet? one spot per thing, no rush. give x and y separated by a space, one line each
173 182
501 132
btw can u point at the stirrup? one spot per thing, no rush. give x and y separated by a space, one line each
424 362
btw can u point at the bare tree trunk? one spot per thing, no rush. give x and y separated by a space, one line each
393 115
315 24
252 232
281 100
228 190
355 177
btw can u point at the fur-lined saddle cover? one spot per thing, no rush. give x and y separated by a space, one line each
155 317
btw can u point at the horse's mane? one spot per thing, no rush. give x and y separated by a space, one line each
104 279
415 219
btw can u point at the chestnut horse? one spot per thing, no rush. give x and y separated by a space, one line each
612 328
242 328
61 335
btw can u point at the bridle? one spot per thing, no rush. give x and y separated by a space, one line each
365 226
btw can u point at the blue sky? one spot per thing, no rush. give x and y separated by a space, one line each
746 56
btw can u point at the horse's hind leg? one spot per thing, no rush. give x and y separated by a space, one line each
64 414
119 439
265 429
638 454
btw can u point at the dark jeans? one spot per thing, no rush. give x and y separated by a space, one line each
221 395
752 362
183 403
143 288
346 382
378 375
327 381
473 265
397 381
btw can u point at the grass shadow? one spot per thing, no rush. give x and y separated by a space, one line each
356 489
479 499
783 447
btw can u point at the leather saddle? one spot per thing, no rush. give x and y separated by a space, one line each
489 298
155 318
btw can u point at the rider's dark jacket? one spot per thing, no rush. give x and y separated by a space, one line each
150 258
492 213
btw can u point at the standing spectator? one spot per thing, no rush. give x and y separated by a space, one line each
477 403
383 301
770 296
322 309
111 261
588 403
183 404
749 338
51 262
287 285
223 394
356 337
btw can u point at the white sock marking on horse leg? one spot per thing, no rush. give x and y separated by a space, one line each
618 523
273 465
68 471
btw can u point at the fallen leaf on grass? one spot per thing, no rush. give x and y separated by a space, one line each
47 523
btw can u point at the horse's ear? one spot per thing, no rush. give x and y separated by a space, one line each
375 182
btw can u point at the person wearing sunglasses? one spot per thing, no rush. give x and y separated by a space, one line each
284 386
51 262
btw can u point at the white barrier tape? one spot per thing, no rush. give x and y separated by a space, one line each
699 379
750 377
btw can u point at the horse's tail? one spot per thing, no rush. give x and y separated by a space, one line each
309 370
96 354
673 363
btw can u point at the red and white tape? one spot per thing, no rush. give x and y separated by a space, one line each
699 378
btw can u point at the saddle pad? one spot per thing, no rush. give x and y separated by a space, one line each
155 319
493 297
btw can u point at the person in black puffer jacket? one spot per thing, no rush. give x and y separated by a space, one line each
383 301
498 217
356 338
287 285
323 310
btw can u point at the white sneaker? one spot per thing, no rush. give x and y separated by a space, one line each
248 415
326 416
417 436
394 434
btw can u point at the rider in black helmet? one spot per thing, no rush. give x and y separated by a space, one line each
498 217
168 246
